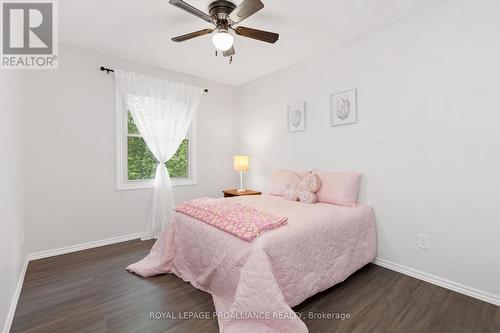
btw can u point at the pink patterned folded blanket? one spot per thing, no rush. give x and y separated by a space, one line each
240 220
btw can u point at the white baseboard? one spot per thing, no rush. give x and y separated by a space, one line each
451 285
15 298
83 246
56 252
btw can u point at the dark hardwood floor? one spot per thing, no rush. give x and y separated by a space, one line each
89 291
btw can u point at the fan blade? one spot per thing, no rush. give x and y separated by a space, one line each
192 35
246 9
229 52
264 36
192 10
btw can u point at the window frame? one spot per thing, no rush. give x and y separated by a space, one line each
122 181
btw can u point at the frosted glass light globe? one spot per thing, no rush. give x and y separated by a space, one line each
222 40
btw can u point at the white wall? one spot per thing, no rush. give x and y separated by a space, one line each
71 192
427 138
11 189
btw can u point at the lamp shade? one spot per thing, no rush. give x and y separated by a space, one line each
241 163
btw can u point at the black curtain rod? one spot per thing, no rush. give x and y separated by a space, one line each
107 70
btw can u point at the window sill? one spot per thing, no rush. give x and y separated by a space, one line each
143 185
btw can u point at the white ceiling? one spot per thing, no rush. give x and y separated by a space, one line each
141 31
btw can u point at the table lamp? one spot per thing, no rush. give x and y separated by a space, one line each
241 165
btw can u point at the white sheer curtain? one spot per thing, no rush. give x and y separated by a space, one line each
163 111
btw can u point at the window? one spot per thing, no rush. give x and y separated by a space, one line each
136 165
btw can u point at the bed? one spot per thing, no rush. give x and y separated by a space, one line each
255 284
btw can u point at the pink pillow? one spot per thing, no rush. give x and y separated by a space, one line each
279 180
292 187
303 188
339 188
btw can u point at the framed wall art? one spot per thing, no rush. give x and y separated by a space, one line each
296 117
343 108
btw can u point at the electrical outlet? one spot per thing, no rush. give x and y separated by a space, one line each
424 241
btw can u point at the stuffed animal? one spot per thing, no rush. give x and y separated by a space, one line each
302 188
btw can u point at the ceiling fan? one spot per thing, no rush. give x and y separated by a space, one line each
226 16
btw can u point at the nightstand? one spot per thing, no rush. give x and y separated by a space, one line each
235 193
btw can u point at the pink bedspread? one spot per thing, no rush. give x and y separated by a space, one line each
243 221
320 246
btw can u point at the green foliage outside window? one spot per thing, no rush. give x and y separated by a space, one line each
142 163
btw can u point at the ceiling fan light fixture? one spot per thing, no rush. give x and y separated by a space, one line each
222 40
226 16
